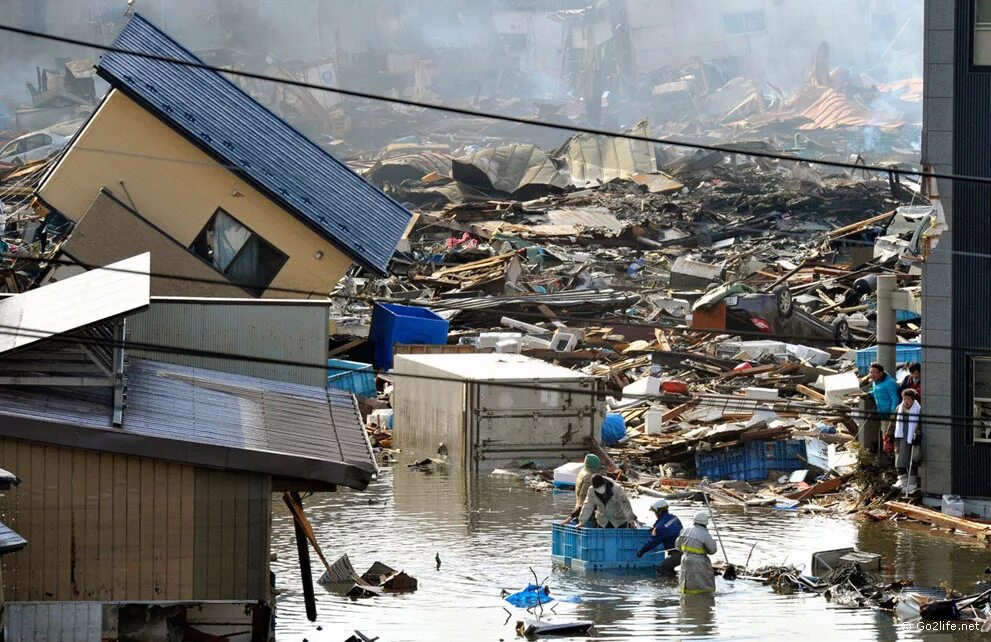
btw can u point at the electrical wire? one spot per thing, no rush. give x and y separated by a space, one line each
931 419
460 111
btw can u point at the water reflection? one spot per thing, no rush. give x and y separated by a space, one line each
490 532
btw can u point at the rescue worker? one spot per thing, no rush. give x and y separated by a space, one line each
664 533
696 545
608 503
584 481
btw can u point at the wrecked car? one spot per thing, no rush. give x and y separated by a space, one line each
32 147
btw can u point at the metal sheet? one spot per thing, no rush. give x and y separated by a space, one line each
74 303
216 115
206 418
252 329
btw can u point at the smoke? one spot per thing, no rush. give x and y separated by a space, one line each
501 54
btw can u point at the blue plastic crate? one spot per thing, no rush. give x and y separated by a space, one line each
352 376
904 353
600 549
751 460
392 324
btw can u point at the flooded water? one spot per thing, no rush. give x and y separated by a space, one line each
488 533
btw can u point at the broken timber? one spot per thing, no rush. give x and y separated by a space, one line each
978 530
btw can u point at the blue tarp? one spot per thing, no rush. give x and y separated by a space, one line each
534 595
613 428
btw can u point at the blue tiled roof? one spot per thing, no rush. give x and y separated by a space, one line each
227 123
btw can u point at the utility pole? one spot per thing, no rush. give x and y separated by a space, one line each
886 338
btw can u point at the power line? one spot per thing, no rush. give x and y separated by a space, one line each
955 420
453 306
461 111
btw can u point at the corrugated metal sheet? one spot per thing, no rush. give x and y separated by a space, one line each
77 302
293 331
207 418
223 120
53 622
970 463
9 540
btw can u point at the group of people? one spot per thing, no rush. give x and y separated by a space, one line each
899 410
600 502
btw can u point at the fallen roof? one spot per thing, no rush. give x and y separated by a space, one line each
98 295
219 117
204 418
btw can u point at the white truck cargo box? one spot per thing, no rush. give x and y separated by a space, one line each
491 410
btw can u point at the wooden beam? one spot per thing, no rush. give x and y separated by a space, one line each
857 227
347 347
811 394
821 488
939 519
733 374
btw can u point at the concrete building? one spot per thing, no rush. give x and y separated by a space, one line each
956 283
182 162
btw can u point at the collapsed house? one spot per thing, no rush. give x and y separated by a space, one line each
151 482
228 197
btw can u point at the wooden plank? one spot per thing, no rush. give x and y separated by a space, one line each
347 347
160 510
133 584
257 557
230 488
173 540
676 412
201 528
853 228
88 555
186 571
821 488
733 374
146 559
939 519
48 456
239 551
65 526
811 394
120 528
106 512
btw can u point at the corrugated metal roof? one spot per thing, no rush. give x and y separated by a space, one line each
223 120
205 418
487 367
9 540
74 303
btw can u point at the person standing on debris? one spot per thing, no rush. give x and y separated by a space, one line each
609 504
696 545
908 439
884 389
664 533
584 481
912 381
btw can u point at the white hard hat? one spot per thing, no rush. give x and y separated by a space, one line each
702 518
659 505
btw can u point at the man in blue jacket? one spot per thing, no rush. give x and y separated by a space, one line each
664 533
884 389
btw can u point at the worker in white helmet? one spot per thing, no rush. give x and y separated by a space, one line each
696 545
664 533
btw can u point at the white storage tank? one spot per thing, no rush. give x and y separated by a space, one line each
491 410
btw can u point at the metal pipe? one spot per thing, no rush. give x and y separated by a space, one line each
712 515
886 337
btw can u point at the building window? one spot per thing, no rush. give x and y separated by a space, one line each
246 258
981 390
743 22
982 33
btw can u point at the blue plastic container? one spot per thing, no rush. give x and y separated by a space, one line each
904 353
352 376
752 460
392 324
601 549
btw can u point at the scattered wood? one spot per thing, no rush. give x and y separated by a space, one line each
922 514
811 394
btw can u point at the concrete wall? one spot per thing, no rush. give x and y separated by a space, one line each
937 278
178 188
103 527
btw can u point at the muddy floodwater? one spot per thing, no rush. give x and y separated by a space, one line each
489 532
